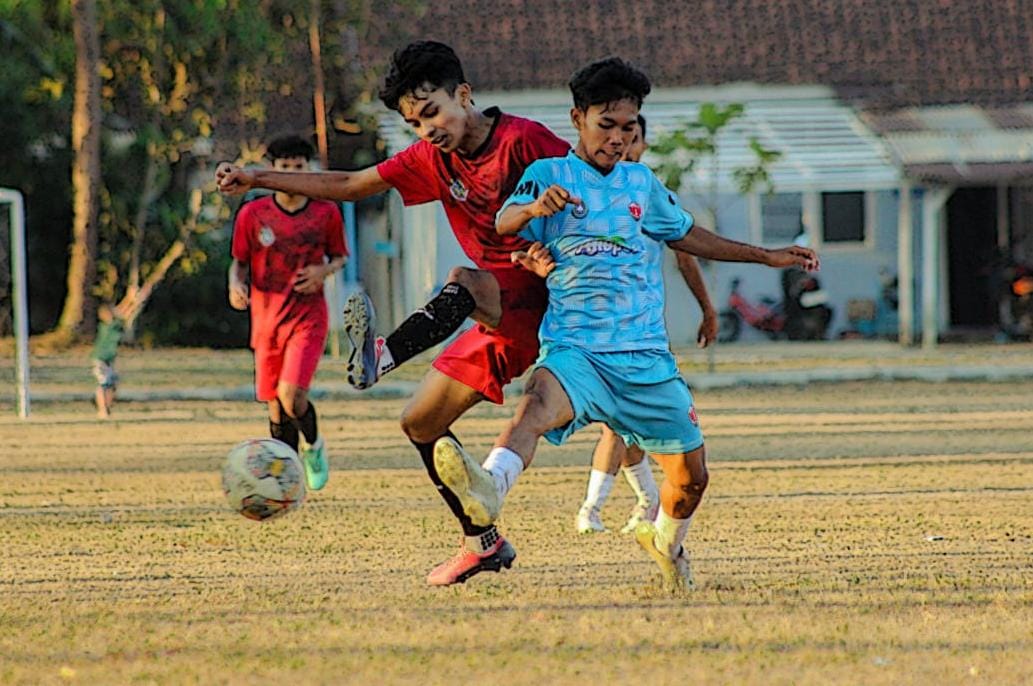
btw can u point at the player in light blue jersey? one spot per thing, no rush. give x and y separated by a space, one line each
610 454
605 355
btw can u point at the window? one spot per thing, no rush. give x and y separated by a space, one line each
842 217
781 217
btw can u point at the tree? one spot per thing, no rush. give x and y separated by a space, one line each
682 151
77 316
175 85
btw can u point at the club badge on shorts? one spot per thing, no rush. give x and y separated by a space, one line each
580 211
266 236
458 190
636 210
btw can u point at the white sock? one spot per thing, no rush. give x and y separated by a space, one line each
505 465
599 486
640 478
386 361
670 533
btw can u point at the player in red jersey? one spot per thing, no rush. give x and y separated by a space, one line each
286 244
469 160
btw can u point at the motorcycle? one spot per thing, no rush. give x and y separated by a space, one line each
1019 302
803 313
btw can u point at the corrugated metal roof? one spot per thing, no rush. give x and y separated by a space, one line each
824 144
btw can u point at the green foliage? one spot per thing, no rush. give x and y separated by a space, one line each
192 308
37 55
679 152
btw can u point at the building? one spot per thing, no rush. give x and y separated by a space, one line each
906 133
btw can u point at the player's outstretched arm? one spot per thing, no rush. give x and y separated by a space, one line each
703 243
514 217
329 185
690 272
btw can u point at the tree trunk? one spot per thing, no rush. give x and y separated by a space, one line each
132 305
78 317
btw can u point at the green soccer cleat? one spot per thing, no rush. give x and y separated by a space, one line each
469 481
317 467
675 574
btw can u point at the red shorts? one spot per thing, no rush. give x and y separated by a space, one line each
487 359
292 358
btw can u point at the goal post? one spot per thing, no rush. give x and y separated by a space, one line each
19 296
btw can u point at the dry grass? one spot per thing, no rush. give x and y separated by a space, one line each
812 551
174 368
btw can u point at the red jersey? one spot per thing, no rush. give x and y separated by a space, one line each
473 188
277 244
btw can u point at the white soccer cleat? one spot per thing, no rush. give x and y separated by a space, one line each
589 521
473 485
675 573
640 513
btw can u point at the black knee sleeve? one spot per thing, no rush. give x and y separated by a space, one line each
434 323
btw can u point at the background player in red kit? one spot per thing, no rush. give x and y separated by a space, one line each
286 244
470 161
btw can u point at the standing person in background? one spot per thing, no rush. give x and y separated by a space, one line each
611 454
285 245
110 329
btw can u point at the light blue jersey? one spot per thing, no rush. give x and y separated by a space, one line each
603 337
606 293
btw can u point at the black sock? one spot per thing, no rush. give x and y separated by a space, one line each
286 432
427 454
434 323
306 423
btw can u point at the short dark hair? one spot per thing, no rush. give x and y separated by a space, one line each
424 62
608 80
288 146
642 126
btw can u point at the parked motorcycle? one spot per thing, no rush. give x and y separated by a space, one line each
1019 302
801 315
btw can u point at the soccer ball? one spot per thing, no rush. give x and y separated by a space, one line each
263 478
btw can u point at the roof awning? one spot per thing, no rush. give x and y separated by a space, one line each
960 144
979 174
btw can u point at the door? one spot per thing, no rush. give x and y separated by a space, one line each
971 257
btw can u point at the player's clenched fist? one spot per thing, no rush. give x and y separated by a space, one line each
552 201
238 295
233 180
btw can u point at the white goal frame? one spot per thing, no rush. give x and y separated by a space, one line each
16 207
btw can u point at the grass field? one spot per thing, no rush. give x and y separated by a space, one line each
876 533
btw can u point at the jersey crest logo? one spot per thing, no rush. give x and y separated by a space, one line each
693 417
458 190
614 246
266 236
580 211
636 210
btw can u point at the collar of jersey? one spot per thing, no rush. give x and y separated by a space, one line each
596 175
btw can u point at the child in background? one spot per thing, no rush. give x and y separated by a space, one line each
110 329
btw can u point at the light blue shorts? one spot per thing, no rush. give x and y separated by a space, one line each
640 395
